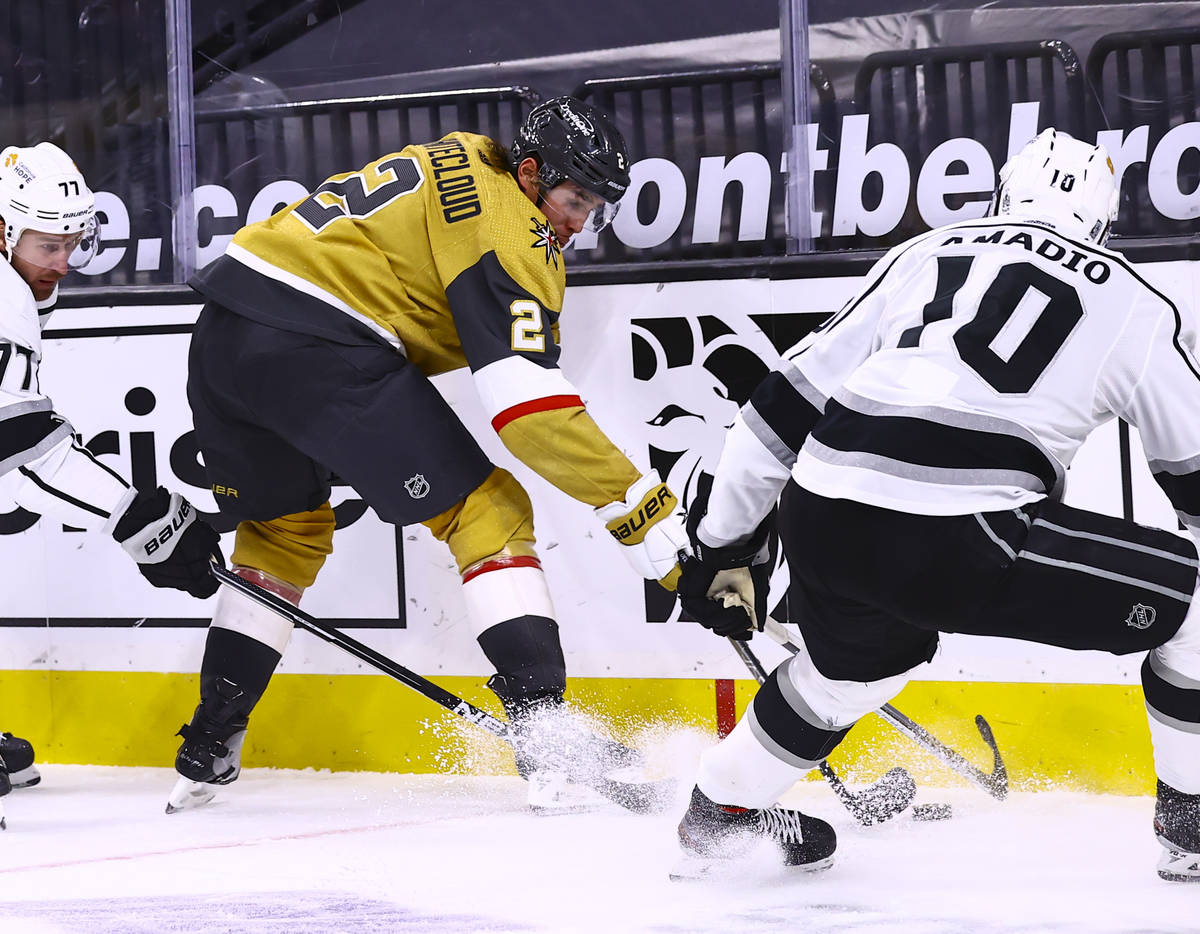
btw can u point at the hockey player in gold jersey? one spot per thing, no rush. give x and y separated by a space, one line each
312 355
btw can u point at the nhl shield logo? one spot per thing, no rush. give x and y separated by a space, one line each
417 486
1141 616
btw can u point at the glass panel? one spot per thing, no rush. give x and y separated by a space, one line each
927 103
89 76
288 94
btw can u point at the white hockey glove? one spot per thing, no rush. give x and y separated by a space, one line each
171 546
649 524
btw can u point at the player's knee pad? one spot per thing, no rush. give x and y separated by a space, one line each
496 518
528 660
292 548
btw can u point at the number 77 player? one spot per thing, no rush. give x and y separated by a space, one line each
920 439
312 356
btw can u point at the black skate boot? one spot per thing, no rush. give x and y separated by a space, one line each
17 755
211 752
5 784
1177 827
711 831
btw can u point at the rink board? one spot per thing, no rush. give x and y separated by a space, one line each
80 630
1078 736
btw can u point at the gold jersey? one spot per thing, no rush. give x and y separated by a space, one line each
436 251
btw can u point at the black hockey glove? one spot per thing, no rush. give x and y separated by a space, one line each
172 547
725 588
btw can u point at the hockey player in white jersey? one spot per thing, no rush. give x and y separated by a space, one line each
49 226
920 439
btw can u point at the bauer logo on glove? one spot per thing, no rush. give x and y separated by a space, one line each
178 522
649 523
632 529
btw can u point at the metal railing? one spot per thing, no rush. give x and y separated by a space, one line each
919 98
687 116
1149 78
245 148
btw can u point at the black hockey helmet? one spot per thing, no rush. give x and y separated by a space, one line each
572 139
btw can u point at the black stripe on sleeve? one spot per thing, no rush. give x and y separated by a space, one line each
79 504
929 444
116 476
1183 490
24 432
785 411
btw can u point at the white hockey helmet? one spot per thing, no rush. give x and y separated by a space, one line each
1063 180
42 189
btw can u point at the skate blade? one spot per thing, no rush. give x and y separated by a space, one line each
1174 866
25 778
554 810
188 794
692 868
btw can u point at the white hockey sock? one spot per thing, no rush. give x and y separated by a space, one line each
504 588
241 614
741 771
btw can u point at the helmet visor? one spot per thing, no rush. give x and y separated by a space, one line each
578 209
59 251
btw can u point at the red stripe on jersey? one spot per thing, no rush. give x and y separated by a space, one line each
545 404
499 564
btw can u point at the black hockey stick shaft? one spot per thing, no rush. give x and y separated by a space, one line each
635 797
874 804
994 783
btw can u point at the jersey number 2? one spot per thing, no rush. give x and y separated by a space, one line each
352 199
1016 285
527 327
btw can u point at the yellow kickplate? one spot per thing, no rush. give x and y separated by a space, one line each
1076 736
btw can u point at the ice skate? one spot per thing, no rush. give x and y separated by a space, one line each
211 752
562 758
17 755
710 833
1177 827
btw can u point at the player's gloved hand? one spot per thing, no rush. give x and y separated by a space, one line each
649 523
171 546
725 588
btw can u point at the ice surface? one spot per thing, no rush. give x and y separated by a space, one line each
90 850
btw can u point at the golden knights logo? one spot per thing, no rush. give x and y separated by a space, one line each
1141 616
546 239
417 486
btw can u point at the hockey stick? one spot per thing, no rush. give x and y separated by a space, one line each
995 783
873 805
635 796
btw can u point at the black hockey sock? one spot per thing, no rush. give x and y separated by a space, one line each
784 720
233 657
529 663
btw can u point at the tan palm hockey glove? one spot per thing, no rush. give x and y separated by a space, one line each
649 524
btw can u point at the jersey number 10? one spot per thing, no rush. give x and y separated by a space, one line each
1014 285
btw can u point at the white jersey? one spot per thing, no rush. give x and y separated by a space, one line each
42 467
963 378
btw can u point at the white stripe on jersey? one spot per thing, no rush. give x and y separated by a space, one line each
510 381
